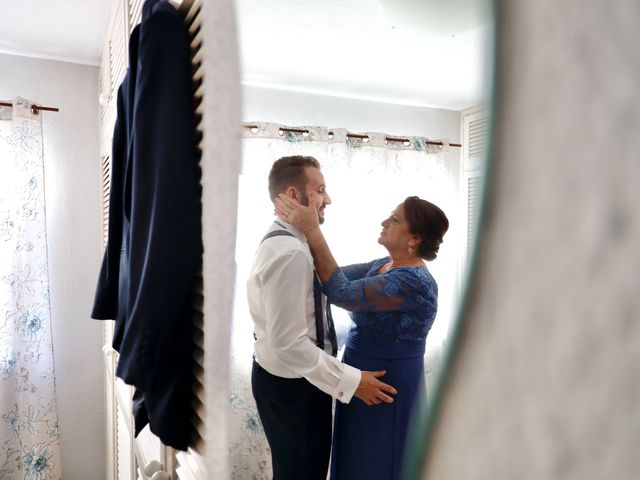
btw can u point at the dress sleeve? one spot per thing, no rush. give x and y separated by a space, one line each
399 289
357 270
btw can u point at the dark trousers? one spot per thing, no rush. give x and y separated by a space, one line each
296 417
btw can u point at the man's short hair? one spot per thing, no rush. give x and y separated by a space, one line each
290 171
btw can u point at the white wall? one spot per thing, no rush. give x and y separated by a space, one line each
297 108
73 227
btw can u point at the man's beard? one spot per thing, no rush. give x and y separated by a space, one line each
305 201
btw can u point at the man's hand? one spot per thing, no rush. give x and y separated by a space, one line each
372 391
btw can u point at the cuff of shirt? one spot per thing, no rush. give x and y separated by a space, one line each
348 384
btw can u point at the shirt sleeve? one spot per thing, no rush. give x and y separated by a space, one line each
400 289
286 297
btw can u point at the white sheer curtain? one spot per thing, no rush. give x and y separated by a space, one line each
29 445
366 179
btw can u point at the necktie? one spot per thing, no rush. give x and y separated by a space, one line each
317 300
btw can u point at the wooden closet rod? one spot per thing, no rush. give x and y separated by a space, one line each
34 108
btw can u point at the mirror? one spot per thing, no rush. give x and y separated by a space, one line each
363 86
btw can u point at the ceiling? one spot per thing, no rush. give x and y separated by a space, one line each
416 52
67 30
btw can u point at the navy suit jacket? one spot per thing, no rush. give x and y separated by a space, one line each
154 250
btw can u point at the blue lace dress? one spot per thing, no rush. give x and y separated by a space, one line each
392 313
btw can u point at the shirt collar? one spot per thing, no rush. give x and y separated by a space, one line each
279 223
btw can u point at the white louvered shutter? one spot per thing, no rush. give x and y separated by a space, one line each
475 139
135 13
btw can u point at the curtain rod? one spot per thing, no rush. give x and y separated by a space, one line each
358 135
34 108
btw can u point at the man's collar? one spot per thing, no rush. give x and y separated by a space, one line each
287 226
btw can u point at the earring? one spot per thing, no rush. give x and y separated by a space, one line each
410 249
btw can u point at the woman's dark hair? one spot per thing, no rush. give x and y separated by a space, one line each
428 222
288 171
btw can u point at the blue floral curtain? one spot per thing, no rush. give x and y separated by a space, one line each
29 444
367 177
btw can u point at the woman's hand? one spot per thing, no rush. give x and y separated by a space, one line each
307 220
300 216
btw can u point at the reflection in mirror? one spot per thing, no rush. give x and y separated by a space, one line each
391 97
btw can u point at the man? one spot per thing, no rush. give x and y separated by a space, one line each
295 373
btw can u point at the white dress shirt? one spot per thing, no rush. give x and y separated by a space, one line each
280 294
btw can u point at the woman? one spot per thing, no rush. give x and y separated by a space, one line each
393 302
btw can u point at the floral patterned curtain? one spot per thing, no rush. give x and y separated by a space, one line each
366 178
29 444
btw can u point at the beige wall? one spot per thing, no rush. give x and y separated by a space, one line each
546 378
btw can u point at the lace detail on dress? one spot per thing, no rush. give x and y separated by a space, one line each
397 305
